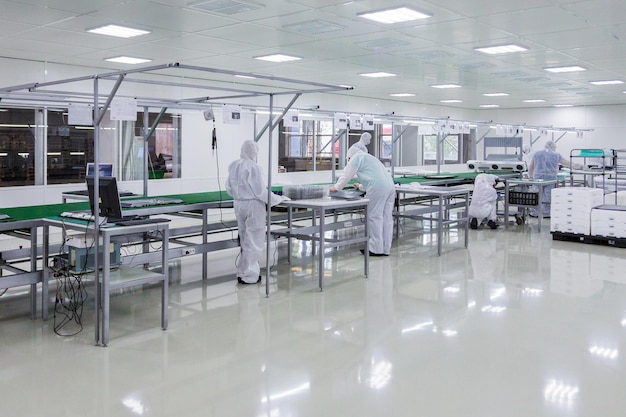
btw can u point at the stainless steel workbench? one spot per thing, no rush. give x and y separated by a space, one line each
124 278
539 184
322 207
436 207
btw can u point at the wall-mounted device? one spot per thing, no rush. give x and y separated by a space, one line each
516 166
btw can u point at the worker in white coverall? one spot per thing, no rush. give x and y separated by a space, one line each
377 183
545 166
484 199
245 185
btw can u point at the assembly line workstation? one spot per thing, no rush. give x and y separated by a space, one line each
124 276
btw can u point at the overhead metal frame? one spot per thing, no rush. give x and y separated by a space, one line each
250 87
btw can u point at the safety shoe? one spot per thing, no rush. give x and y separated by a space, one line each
474 223
241 281
492 224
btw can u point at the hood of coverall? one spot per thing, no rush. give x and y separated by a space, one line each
365 138
354 149
488 179
249 150
550 146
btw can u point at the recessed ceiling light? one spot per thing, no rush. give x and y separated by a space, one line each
563 105
606 82
451 101
128 60
495 94
573 68
402 95
534 100
502 49
377 74
446 86
401 14
118 31
278 58
489 106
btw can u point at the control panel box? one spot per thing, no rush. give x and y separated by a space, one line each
81 254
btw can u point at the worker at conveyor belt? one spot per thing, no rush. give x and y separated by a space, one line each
544 165
376 181
245 184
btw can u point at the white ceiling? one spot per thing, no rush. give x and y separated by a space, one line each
437 50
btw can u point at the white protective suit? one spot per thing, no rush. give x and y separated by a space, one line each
545 165
376 181
245 184
484 198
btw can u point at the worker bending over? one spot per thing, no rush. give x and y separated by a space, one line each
376 181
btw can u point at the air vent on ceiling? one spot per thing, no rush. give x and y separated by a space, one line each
228 7
429 55
555 84
509 74
533 79
314 27
382 44
476 66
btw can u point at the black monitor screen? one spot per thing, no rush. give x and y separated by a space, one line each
110 206
104 170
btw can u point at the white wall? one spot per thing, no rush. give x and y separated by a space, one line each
205 170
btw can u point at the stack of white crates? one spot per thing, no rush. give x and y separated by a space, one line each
570 209
609 221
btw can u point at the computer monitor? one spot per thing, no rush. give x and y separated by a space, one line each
104 169
110 206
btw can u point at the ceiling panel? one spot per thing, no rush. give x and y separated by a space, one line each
534 21
336 44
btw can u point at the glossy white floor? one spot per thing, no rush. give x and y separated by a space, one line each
517 325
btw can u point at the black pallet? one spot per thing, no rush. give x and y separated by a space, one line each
595 240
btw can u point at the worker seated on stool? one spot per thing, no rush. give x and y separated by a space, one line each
483 204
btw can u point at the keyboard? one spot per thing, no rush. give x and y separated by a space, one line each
146 202
79 215
136 222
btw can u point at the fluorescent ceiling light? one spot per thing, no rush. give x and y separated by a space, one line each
402 95
54 153
278 58
77 153
128 60
563 105
118 31
495 94
502 49
446 86
380 74
246 76
606 82
401 14
489 106
451 101
534 100
573 68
